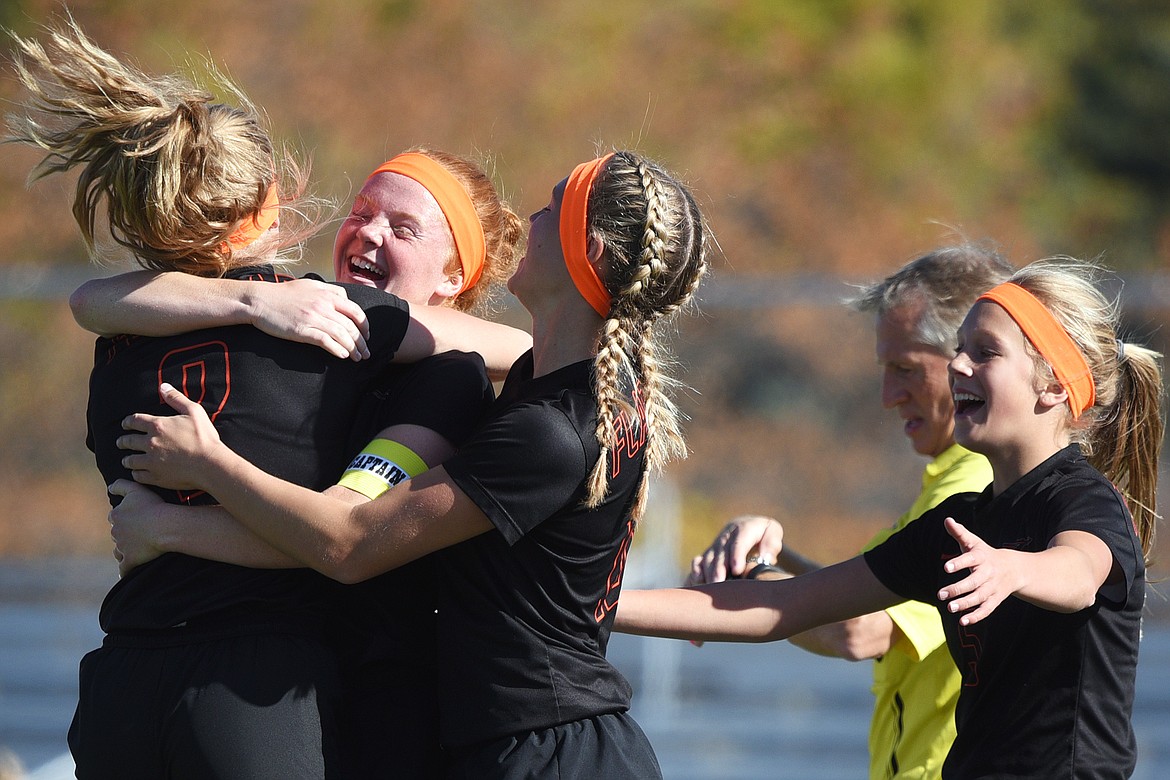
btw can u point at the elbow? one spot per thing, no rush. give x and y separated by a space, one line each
1076 602
340 561
81 304
349 565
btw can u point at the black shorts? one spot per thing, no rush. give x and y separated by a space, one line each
609 746
257 706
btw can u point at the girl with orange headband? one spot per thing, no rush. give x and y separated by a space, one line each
1040 579
535 513
209 669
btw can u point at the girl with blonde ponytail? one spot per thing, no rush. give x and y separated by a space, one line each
535 514
1040 579
212 669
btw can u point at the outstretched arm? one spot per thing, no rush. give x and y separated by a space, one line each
749 611
151 303
347 543
754 536
1063 578
856 639
754 611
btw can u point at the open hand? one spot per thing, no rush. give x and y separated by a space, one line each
991 579
170 451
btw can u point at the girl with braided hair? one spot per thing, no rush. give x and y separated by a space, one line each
535 513
209 669
1039 579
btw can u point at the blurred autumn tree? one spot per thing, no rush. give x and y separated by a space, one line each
825 138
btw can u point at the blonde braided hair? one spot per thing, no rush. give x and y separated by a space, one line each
654 260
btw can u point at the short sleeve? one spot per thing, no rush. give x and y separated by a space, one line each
909 562
1095 507
522 467
448 394
922 631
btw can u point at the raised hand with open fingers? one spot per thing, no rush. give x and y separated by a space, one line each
992 576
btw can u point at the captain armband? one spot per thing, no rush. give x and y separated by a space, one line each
381 466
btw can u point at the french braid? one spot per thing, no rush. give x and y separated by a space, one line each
655 258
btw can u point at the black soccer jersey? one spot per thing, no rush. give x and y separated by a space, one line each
527 609
1044 694
386 624
285 406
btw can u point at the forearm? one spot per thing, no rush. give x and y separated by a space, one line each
755 611
304 525
1060 579
725 611
435 329
792 561
150 303
856 639
213 534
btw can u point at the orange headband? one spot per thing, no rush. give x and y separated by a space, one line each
251 229
455 204
575 234
1051 341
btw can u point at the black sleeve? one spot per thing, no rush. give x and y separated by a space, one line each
448 394
522 467
1094 506
389 317
910 562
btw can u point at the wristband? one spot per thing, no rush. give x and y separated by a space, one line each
763 568
381 466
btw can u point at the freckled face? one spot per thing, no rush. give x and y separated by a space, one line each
914 381
395 238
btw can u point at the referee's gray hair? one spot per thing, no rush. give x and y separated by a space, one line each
945 282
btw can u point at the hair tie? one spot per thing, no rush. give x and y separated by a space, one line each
1120 350
1051 341
454 202
250 230
575 234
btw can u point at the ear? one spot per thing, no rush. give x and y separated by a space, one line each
1053 395
450 285
594 249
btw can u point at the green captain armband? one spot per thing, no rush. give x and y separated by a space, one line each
381 466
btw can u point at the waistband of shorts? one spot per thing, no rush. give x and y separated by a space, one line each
212 628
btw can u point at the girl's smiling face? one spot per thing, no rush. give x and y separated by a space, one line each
396 238
996 391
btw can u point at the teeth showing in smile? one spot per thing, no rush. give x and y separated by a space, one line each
366 267
966 401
